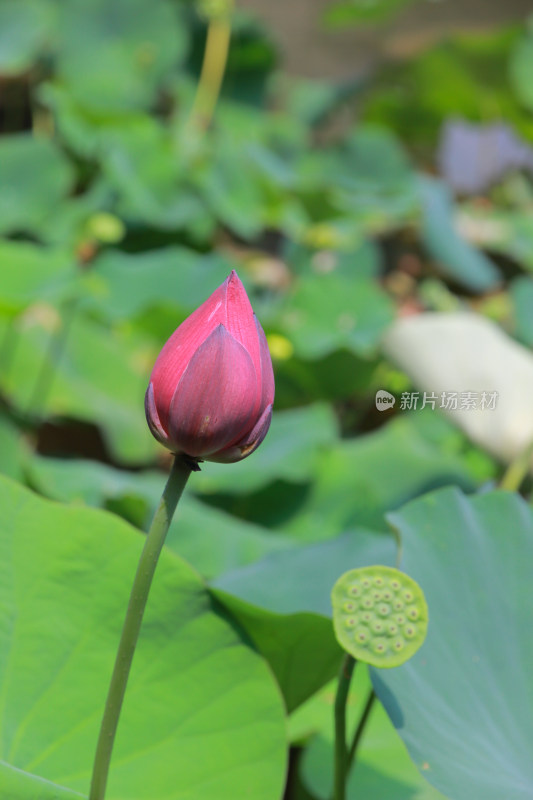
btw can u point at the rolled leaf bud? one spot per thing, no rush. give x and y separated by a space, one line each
212 387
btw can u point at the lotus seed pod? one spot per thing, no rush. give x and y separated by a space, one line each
383 631
362 636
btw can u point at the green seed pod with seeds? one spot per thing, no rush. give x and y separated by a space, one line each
379 635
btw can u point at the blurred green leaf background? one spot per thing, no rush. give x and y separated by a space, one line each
368 171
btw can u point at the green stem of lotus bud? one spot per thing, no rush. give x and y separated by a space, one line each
341 752
155 539
360 728
213 69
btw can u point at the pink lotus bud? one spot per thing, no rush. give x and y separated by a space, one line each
212 387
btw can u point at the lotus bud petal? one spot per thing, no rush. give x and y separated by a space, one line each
211 389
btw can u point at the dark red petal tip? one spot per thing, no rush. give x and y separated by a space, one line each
246 446
152 417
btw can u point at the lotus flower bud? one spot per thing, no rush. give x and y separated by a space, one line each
212 387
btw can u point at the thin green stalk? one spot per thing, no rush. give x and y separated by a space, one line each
213 69
181 469
341 753
517 470
360 728
56 346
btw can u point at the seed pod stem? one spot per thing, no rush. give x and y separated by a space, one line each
341 753
360 728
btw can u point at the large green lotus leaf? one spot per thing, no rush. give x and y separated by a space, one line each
367 177
23 31
98 375
252 142
375 181
328 312
283 602
142 164
216 543
85 220
358 480
300 648
202 716
31 273
35 177
12 449
147 168
464 703
244 124
230 191
271 506
363 261
138 45
80 481
383 769
211 540
19 785
456 258
126 284
301 579
291 451
87 131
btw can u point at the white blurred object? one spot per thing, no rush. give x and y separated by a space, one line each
464 352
